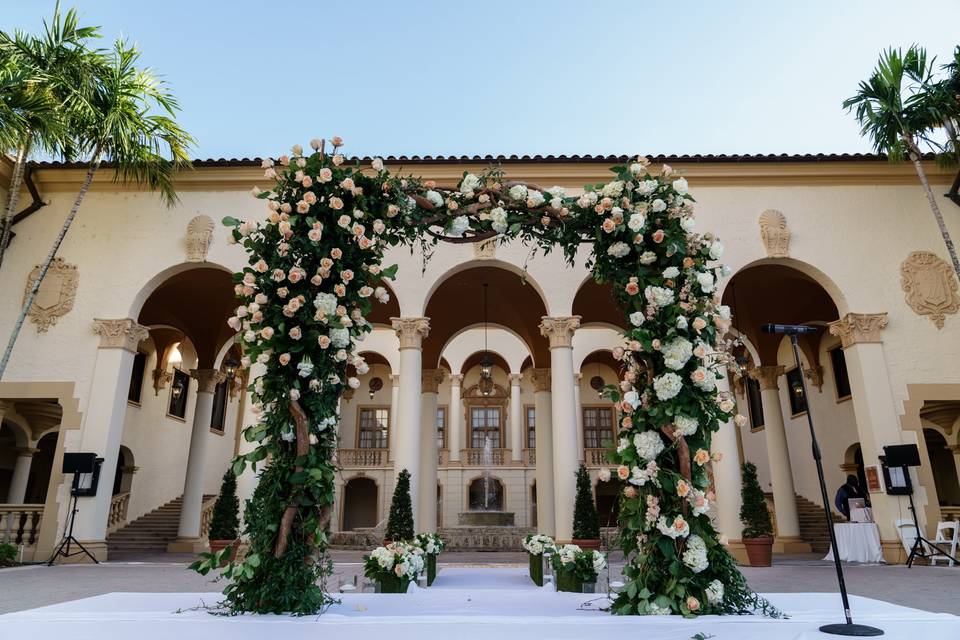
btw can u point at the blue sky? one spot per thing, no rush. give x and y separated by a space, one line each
451 77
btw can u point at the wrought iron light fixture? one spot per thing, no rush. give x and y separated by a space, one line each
486 362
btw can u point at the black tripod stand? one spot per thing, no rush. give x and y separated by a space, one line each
63 549
918 550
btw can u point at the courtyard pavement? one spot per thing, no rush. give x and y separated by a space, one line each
928 588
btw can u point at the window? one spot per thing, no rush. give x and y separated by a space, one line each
136 377
219 406
179 391
798 404
484 423
597 426
840 377
374 427
755 404
531 421
441 427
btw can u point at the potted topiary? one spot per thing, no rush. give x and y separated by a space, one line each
8 555
400 522
758 530
586 524
536 544
224 524
432 545
575 567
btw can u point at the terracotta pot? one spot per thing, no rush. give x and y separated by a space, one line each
589 544
219 545
759 551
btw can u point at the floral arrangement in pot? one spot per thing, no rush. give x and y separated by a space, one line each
537 544
394 566
432 545
575 566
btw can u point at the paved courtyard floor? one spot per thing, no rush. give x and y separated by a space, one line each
933 589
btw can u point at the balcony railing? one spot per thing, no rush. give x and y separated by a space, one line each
530 456
362 457
476 457
118 511
595 457
20 524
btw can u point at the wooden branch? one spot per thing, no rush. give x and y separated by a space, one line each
302 430
683 451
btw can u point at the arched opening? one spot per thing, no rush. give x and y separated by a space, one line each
944 468
485 494
853 463
41 469
594 302
359 504
123 478
607 497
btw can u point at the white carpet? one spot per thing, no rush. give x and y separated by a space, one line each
463 604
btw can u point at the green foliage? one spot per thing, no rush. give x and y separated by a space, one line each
586 524
753 511
400 522
8 554
226 511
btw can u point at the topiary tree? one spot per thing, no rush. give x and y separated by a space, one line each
400 523
753 511
586 524
225 521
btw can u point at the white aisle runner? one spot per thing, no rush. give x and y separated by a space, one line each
463 604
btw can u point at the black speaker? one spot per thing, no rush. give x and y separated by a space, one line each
79 462
901 455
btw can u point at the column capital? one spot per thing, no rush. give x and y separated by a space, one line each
395 379
955 448
411 331
515 379
541 379
430 380
456 379
815 376
559 329
25 452
124 333
859 328
207 379
767 376
347 394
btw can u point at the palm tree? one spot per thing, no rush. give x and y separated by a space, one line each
42 79
893 109
131 125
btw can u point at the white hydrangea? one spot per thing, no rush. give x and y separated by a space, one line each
671 272
518 192
434 198
705 279
715 592
498 219
458 226
534 198
619 249
695 555
326 303
648 257
612 189
637 318
677 353
340 338
469 184
686 426
539 543
647 187
688 223
649 444
667 385
658 296
632 398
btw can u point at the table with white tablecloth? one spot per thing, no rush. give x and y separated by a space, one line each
857 542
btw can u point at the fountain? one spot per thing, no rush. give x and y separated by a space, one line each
486 505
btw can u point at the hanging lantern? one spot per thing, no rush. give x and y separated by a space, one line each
375 385
597 384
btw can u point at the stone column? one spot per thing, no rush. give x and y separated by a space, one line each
411 332
394 404
103 424
21 474
517 427
430 380
581 452
543 406
454 414
876 415
781 474
564 413
727 483
189 537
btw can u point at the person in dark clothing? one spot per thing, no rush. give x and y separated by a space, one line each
850 489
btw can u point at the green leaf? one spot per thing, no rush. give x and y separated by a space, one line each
230 221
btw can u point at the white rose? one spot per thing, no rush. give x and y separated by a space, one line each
458 226
636 222
518 192
705 279
637 318
680 185
658 205
671 272
688 223
716 250
469 183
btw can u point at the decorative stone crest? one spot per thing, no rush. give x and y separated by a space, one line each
430 380
767 376
120 334
161 378
541 379
859 328
485 250
559 330
456 379
814 376
207 379
929 286
199 236
774 233
56 294
515 379
411 331
347 395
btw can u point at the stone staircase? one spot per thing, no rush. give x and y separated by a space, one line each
151 532
813 523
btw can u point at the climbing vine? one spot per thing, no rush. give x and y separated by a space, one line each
315 270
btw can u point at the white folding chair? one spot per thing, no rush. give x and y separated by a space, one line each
946 541
908 534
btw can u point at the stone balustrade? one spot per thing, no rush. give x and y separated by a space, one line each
595 457
118 511
20 524
362 457
530 456
206 516
475 457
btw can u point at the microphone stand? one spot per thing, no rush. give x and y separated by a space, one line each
847 628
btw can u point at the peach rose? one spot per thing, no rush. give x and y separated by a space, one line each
658 236
632 288
683 488
284 359
693 604
336 203
630 492
323 341
701 457
623 472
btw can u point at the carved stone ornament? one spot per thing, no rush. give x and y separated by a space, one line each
207 379
199 236
559 330
774 233
859 328
814 376
411 331
485 250
541 379
56 294
161 378
929 286
767 376
120 334
430 380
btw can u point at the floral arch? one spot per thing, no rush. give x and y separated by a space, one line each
315 271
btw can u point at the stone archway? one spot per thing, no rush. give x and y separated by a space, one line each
943 468
360 500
